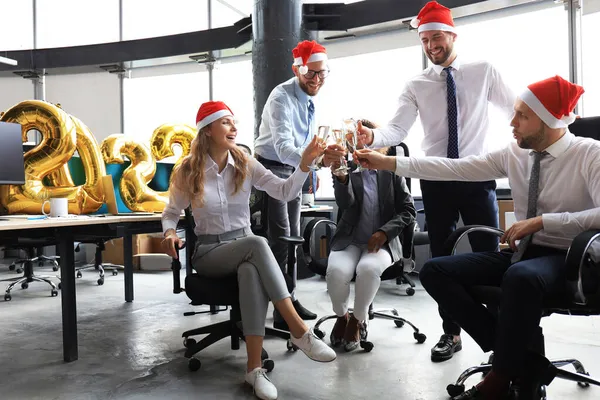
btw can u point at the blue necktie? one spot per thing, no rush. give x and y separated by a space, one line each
452 114
311 113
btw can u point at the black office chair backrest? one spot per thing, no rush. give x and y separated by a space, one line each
586 127
393 151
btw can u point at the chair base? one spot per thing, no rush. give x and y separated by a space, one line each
221 330
39 259
24 282
379 313
405 279
101 268
581 376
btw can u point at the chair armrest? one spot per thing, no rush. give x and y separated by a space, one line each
292 240
456 236
575 262
407 238
176 268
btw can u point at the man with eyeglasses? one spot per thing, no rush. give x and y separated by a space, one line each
287 126
452 99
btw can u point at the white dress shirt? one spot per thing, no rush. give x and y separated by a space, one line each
285 129
425 95
569 185
224 211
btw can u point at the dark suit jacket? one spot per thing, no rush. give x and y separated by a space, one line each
395 206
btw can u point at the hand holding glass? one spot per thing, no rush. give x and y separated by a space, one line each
322 134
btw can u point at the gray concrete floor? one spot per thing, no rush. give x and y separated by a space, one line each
134 351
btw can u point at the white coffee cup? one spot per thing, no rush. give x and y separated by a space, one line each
59 207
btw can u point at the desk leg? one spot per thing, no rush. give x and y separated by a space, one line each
68 297
128 265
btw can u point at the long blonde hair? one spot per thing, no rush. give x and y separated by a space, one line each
189 175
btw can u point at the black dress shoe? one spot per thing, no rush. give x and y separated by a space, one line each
303 312
445 348
472 393
279 322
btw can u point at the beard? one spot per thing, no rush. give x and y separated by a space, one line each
529 142
308 90
440 58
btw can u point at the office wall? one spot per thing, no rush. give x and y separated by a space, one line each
13 91
93 98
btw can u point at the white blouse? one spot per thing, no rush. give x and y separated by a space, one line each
224 211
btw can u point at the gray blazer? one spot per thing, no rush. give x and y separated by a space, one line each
395 206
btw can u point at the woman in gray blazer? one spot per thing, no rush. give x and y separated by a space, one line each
375 206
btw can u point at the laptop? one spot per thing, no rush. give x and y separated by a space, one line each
111 200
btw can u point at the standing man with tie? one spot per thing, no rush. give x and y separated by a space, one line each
451 98
555 182
287 126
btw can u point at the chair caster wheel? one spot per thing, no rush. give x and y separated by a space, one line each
59 286
399 324
19 270
291 346
24 285
366 346
54 293
410 291
187 343
78 275
584 384
55 268
194 364
420 338
12 267
100 281
268 365
320 334
115 272
455 390
7 297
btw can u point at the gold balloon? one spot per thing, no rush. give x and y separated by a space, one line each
52 153
49 160
165 137
135 192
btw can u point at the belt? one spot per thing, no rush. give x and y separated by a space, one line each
223 237
270 163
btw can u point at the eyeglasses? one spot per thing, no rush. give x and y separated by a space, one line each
311 74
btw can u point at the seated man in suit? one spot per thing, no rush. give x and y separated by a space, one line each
555 182
375 206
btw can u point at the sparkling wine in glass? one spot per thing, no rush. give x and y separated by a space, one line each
339 136
322 134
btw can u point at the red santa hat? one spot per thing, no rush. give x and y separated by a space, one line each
553 100
433 17
210 112
307 52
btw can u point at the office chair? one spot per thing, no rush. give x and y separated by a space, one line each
98 265
214 292
583 280
30 247
40 258
394 271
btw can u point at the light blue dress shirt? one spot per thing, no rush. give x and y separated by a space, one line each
284 130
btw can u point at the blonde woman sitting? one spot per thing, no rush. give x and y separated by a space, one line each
216 180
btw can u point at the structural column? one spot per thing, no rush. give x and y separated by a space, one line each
276 30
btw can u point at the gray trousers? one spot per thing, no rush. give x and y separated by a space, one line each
259 276
284 219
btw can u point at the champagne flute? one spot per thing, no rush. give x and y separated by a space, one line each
351 128
339 136
322 134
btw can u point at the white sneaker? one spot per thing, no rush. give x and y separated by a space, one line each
260 382
313 347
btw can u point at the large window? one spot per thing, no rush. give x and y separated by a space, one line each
16 31
233 85
591 59
150 18
63 23
227 12
513 45
368 86
155 100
